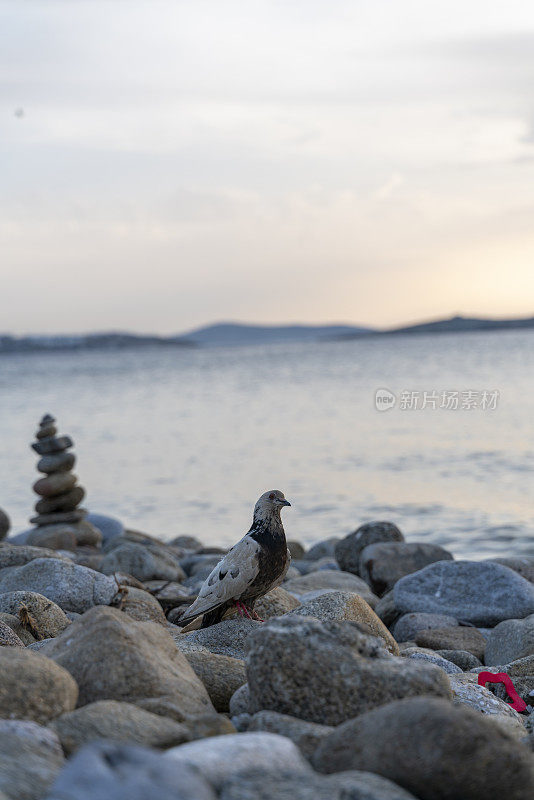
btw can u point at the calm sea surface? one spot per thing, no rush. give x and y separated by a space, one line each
183 441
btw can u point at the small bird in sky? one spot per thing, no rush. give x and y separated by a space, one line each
253 566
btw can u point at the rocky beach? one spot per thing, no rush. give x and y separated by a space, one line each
361 682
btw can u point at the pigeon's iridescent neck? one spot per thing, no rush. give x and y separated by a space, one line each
267 522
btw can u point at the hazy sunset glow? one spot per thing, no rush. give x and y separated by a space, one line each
167 164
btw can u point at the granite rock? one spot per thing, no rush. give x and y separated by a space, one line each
113 657
71 587
306 735
348 606
220 757
348 550
8 637
479 592
227 638
328 672
382 564
433 749
33 687
221 675
5 524
408 626
323 549
112 771
461 658
144 562
17 555
458 638
30 758
429 657
510 641
117 722
275 603
330 580
467 692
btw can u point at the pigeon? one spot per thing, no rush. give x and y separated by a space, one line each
253 566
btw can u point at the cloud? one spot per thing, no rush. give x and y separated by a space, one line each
177 160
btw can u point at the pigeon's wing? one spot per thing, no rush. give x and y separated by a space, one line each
230 578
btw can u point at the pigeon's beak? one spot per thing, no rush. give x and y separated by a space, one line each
284 502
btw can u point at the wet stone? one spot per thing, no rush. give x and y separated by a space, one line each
67 501
53 444
59 516
56 463
54 484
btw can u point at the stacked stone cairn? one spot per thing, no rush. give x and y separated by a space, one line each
58 492
60 522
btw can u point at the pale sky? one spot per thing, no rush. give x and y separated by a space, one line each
178 163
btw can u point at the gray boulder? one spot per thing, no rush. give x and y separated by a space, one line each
72 587
349 549
118 722
5 524
227 638
47 618
330 580
16 555
55 537
113 657
467 692
221 675
458 638
324 549
111 771
328 672
109 527
523 565
240 702
387 610
433 749
296 549
257 784
305 567
33 687
140 605
346 605
461 658
276 602
382 564
479 592
146 562
30 758
18 629
427 656
306 735
510 640
408 626
8 637
220 757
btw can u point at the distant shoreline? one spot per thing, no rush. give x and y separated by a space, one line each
236 334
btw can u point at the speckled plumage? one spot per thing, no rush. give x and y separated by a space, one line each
251 568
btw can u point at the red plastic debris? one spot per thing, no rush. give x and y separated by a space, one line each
503 677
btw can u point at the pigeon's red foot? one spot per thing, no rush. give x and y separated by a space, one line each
255 616
243 610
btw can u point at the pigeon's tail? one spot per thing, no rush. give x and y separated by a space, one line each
202 609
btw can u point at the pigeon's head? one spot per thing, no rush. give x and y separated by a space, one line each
270 502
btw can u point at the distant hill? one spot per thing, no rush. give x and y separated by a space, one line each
93 341
463 324
229 334
234 333
456 324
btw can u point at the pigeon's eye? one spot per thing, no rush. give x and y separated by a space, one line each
271 496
